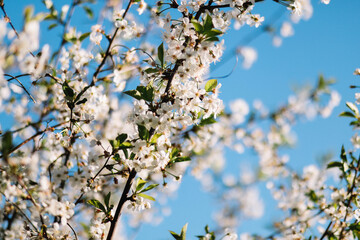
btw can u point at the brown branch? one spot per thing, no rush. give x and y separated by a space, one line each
34 136
7 19
326 231
107 54
123 199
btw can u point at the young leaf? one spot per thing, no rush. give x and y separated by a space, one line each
89 12
151 70
213 33
107 200
353 108
174 153
175 235
198 27
28 13
147 93
212 39
143 133
140 184
211 85
182 235
155 137
146 196
207 121
149 188
83 36
208 25
52 26
346 114
6 144
69 93
81 101
343 154
334 164
161 54
182 159
125 145
183 232
121 137
134 93
97 204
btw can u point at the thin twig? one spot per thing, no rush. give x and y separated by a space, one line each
22 86
8 20
21 212
34 136
107 54
73 230
66 26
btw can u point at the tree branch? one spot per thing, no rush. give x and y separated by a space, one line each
123 199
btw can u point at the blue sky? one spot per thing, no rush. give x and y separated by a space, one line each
326 44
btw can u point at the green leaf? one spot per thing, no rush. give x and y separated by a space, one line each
174 153
346 114
143 132
83 36
213 33
81 101
198 27
355 226
183 232
334 164
125 145
182 235
88 12
151 70
140 184
321 82
149 188
117 157
357 123
69 93
211 85
50 17
207 121
212 39
125 153
114 144
182 159
134 93
208 25
155 137
107 200
52 26
121 137
28 13
97 204
6 144
161 54
175 235
312 195
353 108
146 196
343 154
147 93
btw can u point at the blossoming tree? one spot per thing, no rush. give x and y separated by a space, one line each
105 119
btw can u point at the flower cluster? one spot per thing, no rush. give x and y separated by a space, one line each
69 151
